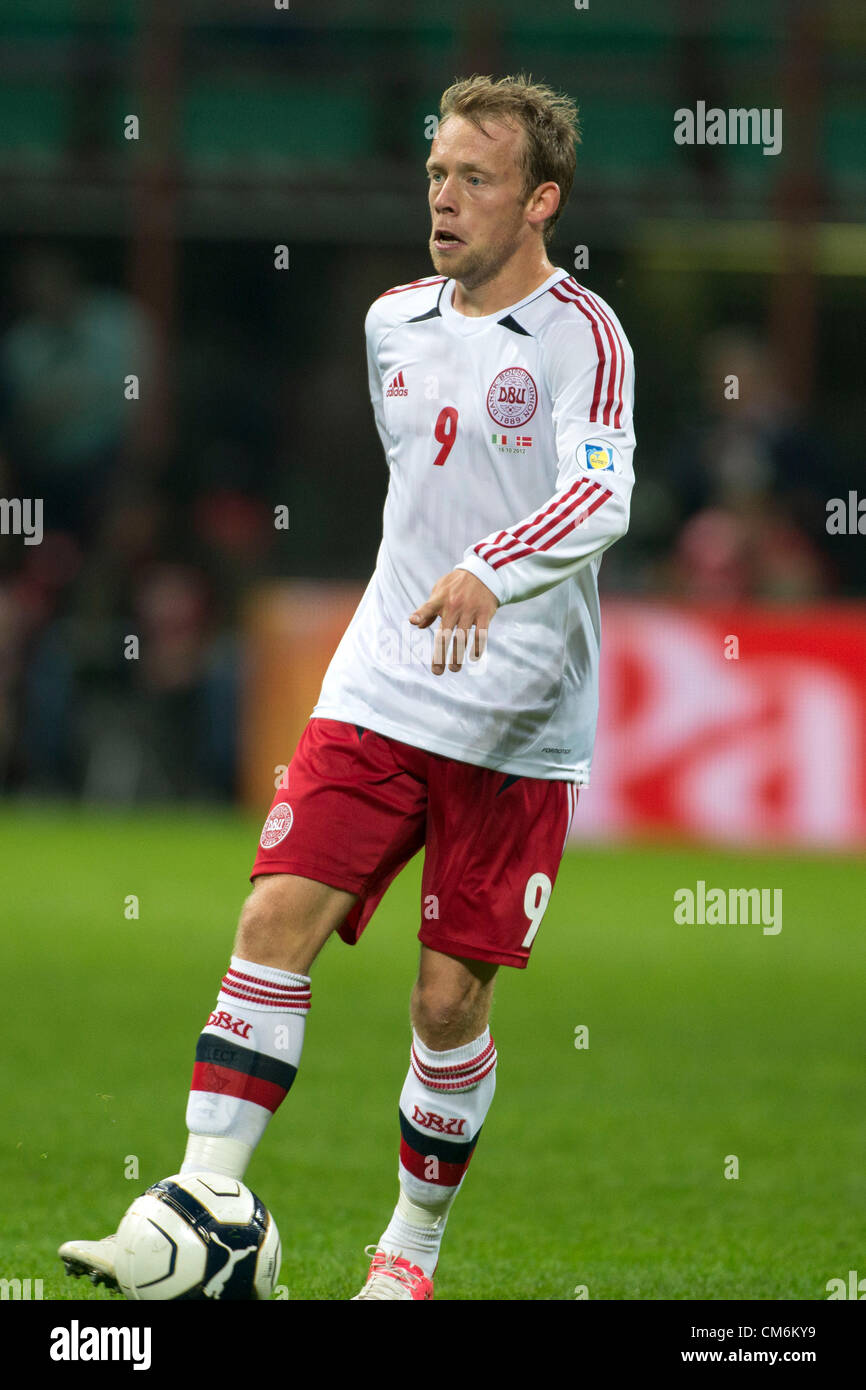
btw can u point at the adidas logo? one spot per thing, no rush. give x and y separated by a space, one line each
398 386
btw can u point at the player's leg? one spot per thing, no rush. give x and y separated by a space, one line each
444 1102
349 817
494 843
249 1051
333 841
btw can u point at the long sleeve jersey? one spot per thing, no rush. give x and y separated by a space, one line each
509 442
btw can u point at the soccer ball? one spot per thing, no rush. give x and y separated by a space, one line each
196 1236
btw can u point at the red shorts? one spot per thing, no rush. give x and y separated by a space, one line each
357 806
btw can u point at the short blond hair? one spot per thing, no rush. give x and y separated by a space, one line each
548 118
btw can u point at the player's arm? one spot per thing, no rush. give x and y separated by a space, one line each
592 394
373 333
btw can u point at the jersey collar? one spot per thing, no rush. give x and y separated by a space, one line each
465 326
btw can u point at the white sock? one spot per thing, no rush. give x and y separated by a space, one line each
246 1060
443 1104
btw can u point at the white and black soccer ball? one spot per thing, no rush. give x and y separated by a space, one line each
197 1236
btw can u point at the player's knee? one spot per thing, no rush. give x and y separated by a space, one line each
276 926
287 919
446 1015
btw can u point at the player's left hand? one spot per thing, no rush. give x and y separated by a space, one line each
462 602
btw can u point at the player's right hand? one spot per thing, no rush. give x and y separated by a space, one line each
462 602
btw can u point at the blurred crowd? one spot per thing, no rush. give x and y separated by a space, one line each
735 508
119 660
121 633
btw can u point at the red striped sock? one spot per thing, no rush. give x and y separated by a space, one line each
246 1060
443 1105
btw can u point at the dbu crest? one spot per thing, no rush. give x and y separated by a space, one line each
512 397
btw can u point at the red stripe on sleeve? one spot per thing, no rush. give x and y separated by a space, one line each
572 526
560 511
619 352
599 347
487 550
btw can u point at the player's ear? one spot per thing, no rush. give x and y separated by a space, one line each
543 202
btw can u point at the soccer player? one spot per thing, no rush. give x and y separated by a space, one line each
459 710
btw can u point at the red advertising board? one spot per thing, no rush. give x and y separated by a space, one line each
743 726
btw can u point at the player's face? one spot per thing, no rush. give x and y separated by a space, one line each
476 195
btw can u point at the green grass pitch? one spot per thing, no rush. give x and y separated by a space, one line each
600 1167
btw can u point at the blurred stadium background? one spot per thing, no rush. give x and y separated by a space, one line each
306 127
131 789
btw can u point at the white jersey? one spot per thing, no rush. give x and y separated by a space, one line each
509 441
